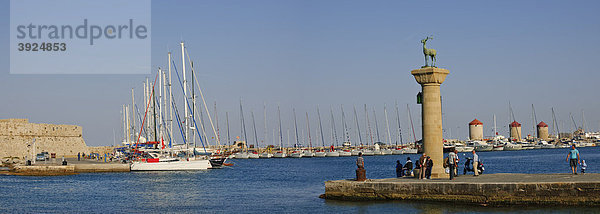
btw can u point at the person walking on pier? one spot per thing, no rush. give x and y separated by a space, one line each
422 166
475 163
429 165
573 159
452 157
583 166
78 156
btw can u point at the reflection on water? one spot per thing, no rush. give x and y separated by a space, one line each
259 186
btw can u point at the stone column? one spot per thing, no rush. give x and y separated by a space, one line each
430 79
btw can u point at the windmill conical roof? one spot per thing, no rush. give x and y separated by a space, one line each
475 122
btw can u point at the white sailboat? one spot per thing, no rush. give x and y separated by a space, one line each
281 153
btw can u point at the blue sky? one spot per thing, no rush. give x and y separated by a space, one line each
302 54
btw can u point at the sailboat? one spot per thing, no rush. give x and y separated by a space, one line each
308 153
254 154
321 152
398 150
281 153
332 152
409 150
244 153
387 151
155 159
266 154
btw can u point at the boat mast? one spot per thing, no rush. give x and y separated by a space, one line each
555 125
495 130
194 108
296 127
170 103
368 125
265 118
344 125
412 127
243 128
333 132
376 126
185 105
153 97
387 124
255 135
308 127
160 104
399 129
124 123
133 114
218 129
280 134
321 127
163 107
357 126
227 122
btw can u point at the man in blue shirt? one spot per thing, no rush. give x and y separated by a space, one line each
573 159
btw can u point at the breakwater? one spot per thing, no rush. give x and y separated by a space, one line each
490 189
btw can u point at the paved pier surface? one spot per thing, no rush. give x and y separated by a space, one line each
54 167
490 189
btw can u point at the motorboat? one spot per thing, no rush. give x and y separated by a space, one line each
279 154
242 155
463 148
265 155
308 154
397 151
480 146
332 154
320 153
344 153
253 155
508 146
296 154
367 152
409 150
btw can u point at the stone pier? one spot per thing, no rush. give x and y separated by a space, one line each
430 79
489 189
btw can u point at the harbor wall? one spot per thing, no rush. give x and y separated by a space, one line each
490 193
16 137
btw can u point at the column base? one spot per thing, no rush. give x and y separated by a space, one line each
440 175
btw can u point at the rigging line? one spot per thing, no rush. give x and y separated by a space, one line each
186 100
202 96
146 114
178 122
164 124
139 116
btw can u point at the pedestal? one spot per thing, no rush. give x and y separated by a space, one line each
361 174
430 79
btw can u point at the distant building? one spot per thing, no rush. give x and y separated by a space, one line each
542 131
515 131
476 130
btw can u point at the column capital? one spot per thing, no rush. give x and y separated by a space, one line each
430 75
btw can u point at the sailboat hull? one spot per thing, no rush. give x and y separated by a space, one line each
181 165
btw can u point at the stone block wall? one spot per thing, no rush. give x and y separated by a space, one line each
17 134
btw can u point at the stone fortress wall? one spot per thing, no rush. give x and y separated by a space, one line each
17 134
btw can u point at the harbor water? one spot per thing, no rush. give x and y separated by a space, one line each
262 185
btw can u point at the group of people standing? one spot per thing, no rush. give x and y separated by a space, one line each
423 166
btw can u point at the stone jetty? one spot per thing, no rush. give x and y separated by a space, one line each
488 189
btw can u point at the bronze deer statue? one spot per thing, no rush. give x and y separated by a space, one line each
428 52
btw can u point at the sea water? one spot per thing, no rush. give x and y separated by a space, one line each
262 186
